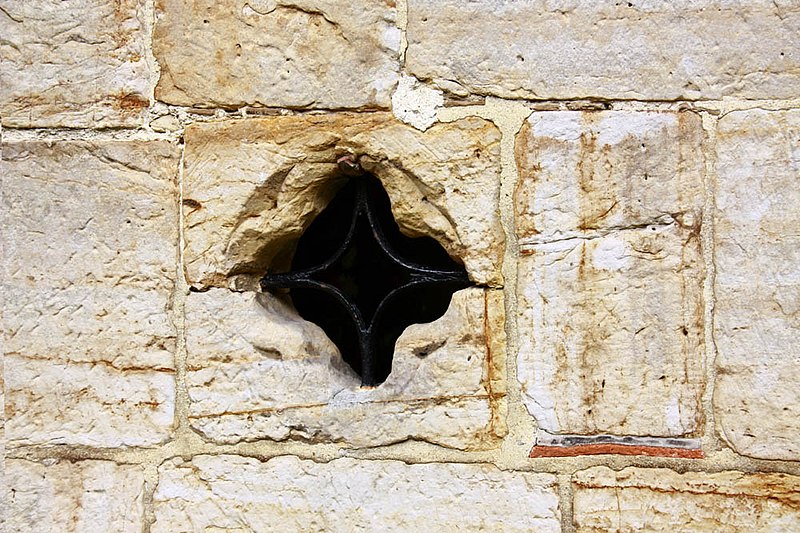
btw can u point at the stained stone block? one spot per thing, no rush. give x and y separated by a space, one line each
73 497
277 53
611 333
231 493
255 370
598 171
252 187
78 64
90 251
544 49
757 310
639 499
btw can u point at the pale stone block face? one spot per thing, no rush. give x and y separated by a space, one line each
252 187
90 251
234 493
608 212
310 54
757 311
611 333
73 64
586 171
685 49
73 497
256 370
638 499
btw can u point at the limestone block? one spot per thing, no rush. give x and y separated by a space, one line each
90 251
638 499
687 49
587 171
232 493
256 370
611 333
73 64
252 187
757 310
277 53
74 497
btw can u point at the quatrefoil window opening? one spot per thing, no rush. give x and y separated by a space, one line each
362 281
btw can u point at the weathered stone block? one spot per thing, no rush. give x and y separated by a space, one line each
256 370
611 333
277 53
79 64
637 499
231 492
90 247
757 310
587 171
686 49
252 187
73 497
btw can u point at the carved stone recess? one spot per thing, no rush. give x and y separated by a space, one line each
255 369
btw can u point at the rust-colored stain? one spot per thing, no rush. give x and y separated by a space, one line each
130 101
614 449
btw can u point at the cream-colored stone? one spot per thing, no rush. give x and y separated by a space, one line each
416 104
51 402
277 53
256 370
638 499
165 123
90 251
757 310
585 171
73 497
686 49
252 187
232 493
75 64
611 333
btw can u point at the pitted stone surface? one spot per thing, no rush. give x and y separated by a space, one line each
73 497
255 370
90 250
78 64
638 499
757 311
543 49
252 187
232 493
598 171
277 53
611 333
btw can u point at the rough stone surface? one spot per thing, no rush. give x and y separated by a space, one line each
608 211
277 53
256 370
73 64
90 248
232 493
687 49
73 497
416 104
252 187
611 333
637 499
598 171
757 311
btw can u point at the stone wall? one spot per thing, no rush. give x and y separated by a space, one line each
621 180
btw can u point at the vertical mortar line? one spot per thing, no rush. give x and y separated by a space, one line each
565 496
710 440
510 117
152 63
179 310
150 481
401 6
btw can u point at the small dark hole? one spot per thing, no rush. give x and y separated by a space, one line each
387 280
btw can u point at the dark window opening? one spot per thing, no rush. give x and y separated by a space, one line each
363 282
